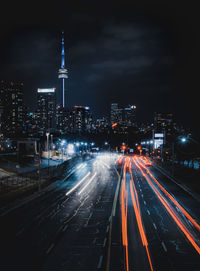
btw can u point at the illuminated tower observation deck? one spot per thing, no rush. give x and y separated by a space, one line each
62 73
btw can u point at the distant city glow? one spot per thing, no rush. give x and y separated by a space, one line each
70 149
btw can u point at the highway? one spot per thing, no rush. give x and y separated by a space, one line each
159 221
109 212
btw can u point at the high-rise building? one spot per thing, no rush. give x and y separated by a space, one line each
129 116
46 110
62 73
31 124
116 114
164 122
12 109
64 120
82 120
101 125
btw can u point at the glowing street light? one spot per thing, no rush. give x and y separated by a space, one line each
70 149
183 139
63 142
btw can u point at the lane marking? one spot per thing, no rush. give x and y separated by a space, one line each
107 229
88 219
112 215
87 183
142 195
145 202
155 226
148 212
65 227
79 183
50 248
164 247
100 262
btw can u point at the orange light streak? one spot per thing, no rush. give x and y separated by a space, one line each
172 199
124 208
134 196
170 210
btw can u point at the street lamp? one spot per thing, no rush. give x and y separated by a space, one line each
183 139
47 134
62 145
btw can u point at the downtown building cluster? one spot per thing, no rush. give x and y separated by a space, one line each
52 116
17 122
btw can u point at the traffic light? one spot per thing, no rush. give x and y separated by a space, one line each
123 147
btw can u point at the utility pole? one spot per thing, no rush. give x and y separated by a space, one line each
47 134
39 170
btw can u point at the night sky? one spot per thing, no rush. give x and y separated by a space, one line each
144 53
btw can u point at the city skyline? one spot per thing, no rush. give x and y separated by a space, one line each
135 58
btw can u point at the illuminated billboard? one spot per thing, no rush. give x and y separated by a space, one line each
159 135
46 90
158 140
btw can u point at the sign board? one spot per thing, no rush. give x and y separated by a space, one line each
159 135
158 140
158 143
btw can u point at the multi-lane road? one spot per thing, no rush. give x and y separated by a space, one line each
108 213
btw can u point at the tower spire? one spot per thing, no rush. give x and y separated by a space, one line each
63 51
62 73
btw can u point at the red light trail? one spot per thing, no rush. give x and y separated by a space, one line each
167 206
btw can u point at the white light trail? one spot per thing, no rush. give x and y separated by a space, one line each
81 166
79 183
105 165
87 184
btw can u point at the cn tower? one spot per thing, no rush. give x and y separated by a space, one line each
62 73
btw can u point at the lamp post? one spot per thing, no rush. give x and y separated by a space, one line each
47 134
182 140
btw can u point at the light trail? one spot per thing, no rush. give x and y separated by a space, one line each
81 166
124 217
105 164
169 209
136 205
197 226
124 210
77 185
91 179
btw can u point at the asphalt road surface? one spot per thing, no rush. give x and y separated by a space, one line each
107 213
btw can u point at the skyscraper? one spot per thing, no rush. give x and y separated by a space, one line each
82 120
164 122
115 114
12 109
62 73
46 110
129 116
